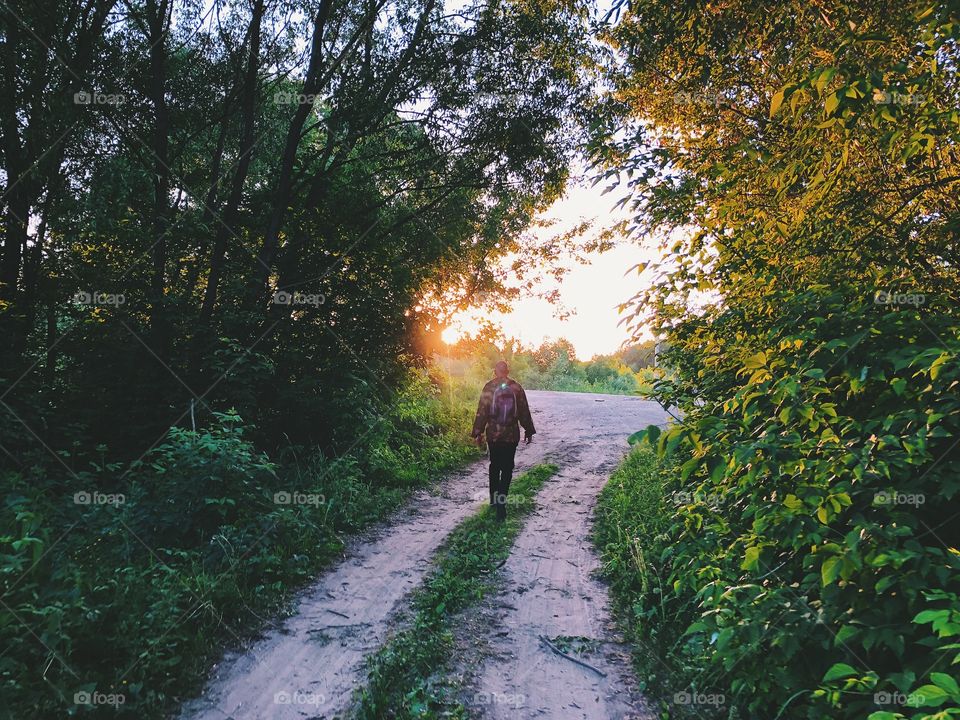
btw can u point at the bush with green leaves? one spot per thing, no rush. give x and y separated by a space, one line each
129 579
799 165
802 555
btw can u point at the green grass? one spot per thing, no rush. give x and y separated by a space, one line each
403 678
632 518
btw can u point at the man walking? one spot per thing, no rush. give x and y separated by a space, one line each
503 408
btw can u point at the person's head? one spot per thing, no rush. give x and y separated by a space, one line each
501 370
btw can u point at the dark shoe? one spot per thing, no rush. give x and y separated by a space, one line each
501 513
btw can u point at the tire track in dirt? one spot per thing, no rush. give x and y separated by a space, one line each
309 664
549 589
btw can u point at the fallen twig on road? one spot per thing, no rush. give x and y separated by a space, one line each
560 652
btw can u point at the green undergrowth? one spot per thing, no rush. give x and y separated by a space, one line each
632 519
122 583
404 678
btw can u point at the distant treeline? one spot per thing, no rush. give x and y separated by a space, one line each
554 366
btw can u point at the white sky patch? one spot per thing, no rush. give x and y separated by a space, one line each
591 292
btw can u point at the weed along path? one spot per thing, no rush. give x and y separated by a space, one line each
310 664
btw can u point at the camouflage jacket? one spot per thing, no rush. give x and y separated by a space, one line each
509 433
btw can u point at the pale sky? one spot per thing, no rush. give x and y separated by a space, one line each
592 292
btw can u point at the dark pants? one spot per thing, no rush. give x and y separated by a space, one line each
501 473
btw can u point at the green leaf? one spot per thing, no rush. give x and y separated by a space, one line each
825 77
844 634
653 434
928 696
942 680
650 434
838 671
830 569
751 559
926 616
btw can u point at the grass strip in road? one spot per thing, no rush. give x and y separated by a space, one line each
402 680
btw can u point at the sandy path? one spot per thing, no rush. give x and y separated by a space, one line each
549 589
309 666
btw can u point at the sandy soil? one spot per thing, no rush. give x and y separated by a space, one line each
549 590
309 665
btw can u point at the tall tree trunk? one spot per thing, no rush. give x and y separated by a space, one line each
228 224
158 23
35 118
311 86
14 311
15 198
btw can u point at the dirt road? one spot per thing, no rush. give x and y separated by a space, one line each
309 666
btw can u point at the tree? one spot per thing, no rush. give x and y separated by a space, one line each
554 353
349 158
803 164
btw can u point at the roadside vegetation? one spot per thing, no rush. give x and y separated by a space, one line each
633 524
801 165
407 677
137 590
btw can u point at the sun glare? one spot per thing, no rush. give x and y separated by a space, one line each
451 335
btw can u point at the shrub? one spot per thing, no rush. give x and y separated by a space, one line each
211 536
810 568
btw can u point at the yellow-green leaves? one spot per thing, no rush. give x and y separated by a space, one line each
757 360
751 559
776 102
825 76
833 101
831 506
830 569
793 502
